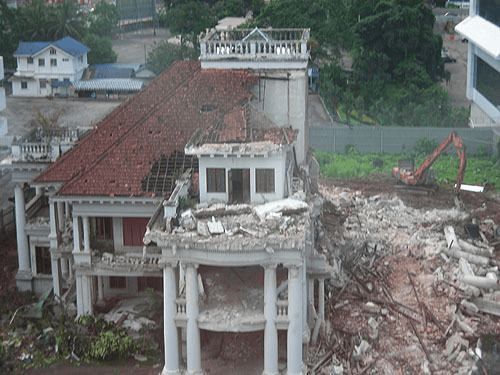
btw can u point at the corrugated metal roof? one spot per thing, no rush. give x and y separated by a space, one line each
67 44
102 71
115 84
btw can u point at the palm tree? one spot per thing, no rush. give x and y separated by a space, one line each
66 21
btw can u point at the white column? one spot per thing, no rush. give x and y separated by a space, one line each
22 238
56 272
60 216
294 335
76 234
170 335
66 209
56 280
38 190
87 295
100 292
270 330
86 234
79 295
193 344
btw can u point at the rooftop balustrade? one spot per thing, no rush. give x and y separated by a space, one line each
245 47
44 145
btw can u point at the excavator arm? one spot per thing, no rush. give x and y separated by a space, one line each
416 177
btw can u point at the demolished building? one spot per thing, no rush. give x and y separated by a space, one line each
229 132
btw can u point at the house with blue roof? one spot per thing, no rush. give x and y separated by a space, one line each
48 68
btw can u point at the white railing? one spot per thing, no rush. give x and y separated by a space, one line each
44 144
181 307
270 44
282 310
254 49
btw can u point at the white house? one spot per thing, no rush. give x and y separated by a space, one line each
48 68
229 132
482 30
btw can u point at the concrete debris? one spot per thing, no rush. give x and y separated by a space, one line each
131 313
215 227
481 282
360 350
285 206
373 324
454 345
378 245
188 221
486 306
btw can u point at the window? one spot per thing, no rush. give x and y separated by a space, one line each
117 282
24 85
53 62
53 81
65 59
488 82
489 10
104 228
43 83
43 262
52 51
133 230
264 180
144 283
41 62
30 60
66 79
216 180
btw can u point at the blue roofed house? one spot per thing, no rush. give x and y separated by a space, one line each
48 68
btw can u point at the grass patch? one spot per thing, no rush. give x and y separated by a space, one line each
479 170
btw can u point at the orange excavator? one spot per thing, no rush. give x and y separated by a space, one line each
418 177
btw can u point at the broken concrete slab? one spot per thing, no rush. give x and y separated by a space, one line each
286 206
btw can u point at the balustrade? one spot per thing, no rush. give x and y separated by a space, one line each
282 310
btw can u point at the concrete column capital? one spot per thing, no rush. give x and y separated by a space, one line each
269 265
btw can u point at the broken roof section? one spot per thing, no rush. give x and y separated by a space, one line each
242 133
158 121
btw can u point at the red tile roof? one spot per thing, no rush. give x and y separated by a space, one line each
115 157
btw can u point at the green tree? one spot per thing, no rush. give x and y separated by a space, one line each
166 53
65 21
188 18
103 19
101 50
8 37
401 31
32 22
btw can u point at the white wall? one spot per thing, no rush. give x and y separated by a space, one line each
276 161
282 96
71 69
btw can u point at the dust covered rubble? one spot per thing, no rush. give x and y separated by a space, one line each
382 224
370 228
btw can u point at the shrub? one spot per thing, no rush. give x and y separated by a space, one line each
113 344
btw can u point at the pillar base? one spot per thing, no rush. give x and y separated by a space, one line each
302 372
24 281
195 372
270 373
170 372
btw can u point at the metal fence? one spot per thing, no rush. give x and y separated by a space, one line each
395 140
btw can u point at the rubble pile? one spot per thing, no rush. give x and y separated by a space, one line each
416 290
